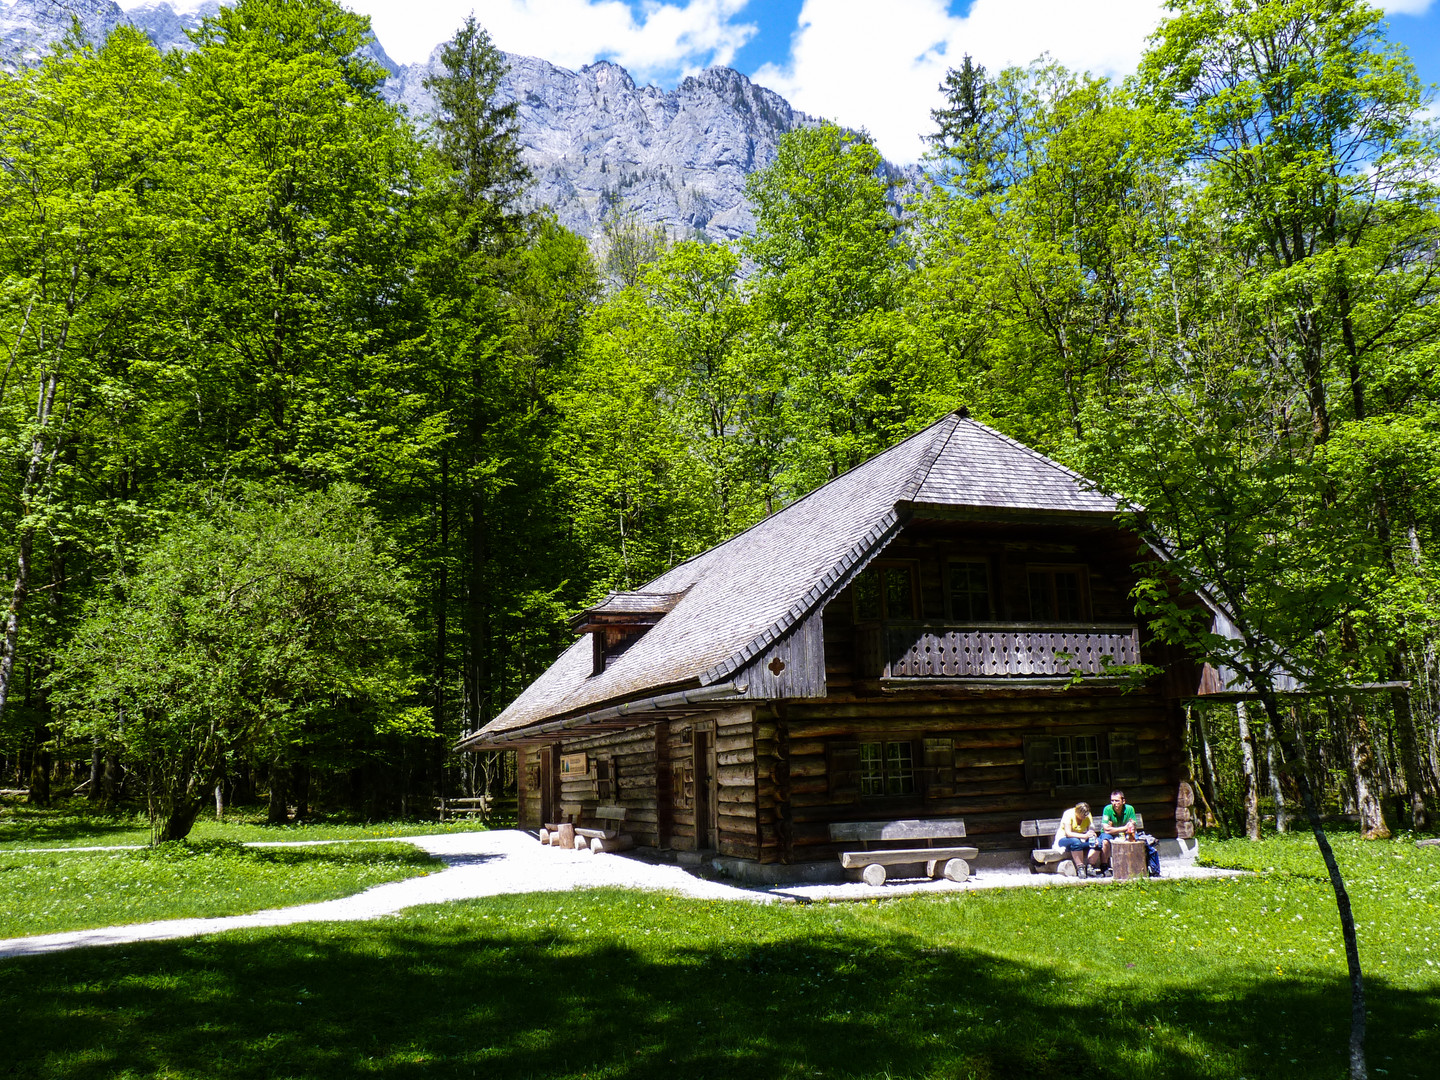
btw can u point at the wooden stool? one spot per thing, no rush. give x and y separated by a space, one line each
1127 859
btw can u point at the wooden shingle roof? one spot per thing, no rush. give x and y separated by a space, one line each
747 592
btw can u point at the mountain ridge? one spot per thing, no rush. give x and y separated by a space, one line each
596 142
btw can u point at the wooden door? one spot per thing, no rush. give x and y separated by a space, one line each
707 810
549 784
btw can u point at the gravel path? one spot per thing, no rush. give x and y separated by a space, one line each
498 863
477 864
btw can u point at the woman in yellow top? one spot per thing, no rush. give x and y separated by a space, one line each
1077 836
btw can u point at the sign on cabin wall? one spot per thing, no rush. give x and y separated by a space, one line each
574 764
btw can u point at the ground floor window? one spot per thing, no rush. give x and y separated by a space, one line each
887 768
1077 760
1090 759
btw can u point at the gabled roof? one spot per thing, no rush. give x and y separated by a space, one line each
749 591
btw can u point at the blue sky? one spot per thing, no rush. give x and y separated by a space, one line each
865 63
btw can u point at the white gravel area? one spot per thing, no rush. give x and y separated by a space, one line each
477 864
497 863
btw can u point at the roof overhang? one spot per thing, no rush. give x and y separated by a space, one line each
629 714
1007 515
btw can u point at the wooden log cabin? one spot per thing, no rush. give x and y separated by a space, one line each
929 635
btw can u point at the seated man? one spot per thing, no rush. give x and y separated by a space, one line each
1077 836
1117 822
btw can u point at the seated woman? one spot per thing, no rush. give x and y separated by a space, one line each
1077 836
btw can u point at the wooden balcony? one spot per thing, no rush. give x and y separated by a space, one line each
912 650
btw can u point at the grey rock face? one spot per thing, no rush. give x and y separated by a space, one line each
29 28
598 144
166 28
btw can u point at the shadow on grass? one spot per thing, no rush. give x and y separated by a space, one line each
43 827
454 996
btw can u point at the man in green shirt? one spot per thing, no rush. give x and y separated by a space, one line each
1117 822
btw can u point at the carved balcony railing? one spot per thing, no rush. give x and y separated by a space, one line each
912 650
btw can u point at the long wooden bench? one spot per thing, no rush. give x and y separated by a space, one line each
949 861
1045 859
604 838
463 808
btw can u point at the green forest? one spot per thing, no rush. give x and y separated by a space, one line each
316 433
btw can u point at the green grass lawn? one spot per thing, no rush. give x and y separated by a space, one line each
44 894
1222 979
75 824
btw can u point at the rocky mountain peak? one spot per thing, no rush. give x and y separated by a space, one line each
597 143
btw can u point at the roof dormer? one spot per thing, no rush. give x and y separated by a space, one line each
620 620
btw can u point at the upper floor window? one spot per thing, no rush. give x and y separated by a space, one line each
885 591
969 590
1057 593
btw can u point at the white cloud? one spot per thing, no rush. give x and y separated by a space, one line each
667 38
1406 7
879 66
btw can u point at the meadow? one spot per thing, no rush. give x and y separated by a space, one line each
210 874
1224 978
52 892
75 824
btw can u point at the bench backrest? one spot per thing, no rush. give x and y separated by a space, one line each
1045 828
911 829
610 813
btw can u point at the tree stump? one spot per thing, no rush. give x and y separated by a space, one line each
545 836
565 836
874 874
956 870
1127 859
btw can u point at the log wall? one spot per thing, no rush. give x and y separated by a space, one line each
651 771
968 758
527 762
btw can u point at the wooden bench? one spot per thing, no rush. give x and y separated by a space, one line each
604 838
1045 859
561 833
911 841
462 808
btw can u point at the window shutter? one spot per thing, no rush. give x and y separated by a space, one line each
604 781
1039 762
939 771
1124 758
844 770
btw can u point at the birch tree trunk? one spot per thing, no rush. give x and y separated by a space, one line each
1247 767
37 476
1282 820
1358 1069
1360 745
